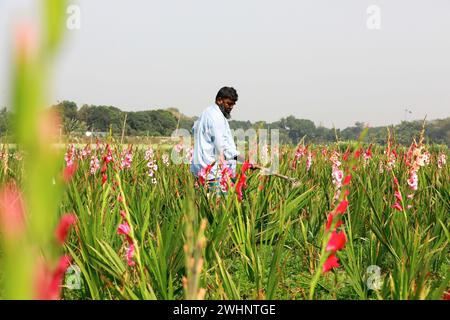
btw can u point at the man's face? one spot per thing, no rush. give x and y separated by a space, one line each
226 105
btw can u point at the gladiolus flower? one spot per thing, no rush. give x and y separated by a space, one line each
12 215
69 171
413 181
347 180
346 154
130 254
124 229
332 262
242 183
446 296
342 207
330 221
337 241
203 174
398 196
63 228
49 283
397 206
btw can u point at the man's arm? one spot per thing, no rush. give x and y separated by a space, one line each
221 140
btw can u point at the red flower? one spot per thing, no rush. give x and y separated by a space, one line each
330 221
369 151
346 154
342 207
203 174
337 241
242 183
358 153
49 283
397 206
104 178
396 181
398 195
69 171
63 228
347 180
332 262
446 296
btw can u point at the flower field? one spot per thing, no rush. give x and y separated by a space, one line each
365 222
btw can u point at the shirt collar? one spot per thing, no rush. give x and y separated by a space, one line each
216 107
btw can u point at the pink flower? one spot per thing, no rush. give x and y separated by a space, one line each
94 165
225 176
12 212
397 206
124 229
398 196
127 160
130 255
413 181
309 161
69 172
442 160
203 174
64 226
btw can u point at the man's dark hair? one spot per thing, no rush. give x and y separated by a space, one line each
227 93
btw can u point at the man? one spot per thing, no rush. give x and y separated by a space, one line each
214 141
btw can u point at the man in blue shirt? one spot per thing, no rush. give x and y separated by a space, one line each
214 144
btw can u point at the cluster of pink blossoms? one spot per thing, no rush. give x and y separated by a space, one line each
127 159
392 158
151 164
442 160
85 153
337 174
165 159
189 155
124 229
70 155
309 161
367 155
225 175
299 153
94 164
415 159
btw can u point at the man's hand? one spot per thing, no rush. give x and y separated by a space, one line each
255 166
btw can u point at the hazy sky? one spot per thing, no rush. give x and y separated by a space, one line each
314 59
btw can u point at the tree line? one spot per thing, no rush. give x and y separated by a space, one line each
162 122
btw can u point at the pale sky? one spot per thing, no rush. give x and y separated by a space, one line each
314 59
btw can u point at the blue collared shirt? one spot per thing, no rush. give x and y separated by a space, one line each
212 137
